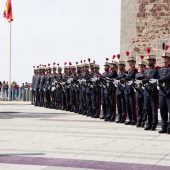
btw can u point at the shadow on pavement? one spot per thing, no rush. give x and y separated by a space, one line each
12 115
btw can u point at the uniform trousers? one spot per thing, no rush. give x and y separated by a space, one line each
164 104
131 107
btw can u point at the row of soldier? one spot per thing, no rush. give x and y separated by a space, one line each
135 93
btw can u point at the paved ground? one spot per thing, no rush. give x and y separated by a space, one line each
36 138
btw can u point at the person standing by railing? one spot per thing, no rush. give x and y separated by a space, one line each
21 90
0 86
7 88
16 88
0 89
4 88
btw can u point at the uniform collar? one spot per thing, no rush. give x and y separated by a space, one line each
133 68
167 66
151 67
141 72
79 72
123 71
97 72
74 73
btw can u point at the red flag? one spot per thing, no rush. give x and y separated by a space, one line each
8 14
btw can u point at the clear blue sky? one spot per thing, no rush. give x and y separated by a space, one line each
47 31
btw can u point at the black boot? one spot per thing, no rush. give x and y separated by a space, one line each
138 125
148 127
162 131
103 117
128 123
153 128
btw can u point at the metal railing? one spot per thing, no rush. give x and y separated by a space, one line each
16 95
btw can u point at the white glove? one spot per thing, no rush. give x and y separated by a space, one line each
71 79
116 82
129 83
152 81
80 81
138 81
49 88
93 79
68 81
53 88
84 80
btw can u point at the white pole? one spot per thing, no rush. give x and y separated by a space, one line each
10 63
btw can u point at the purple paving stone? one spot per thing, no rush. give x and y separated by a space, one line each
74 163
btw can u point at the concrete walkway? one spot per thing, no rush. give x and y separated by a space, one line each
36 138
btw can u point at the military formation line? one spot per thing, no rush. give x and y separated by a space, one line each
136 94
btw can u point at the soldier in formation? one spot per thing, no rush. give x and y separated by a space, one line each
82 89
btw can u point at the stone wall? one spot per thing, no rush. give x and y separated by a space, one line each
144 23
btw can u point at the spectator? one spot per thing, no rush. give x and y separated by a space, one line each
7 88
21 90
27 86
12 92
16 90
4 87
0 86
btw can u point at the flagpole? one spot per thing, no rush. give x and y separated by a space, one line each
9 94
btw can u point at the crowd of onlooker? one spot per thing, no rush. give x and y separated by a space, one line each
16 91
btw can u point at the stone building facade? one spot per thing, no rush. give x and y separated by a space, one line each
144 23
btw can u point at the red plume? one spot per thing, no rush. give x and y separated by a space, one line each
40 65
48 64
54 63
114 56
65 63
94 61
89 60
81 61
33 66
70 63
76 63
58 64
148 50
127 53
45 65
84 61
141 57
166 47
107 59
118 56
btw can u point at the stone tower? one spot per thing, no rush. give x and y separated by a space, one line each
144 23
